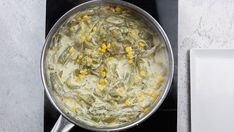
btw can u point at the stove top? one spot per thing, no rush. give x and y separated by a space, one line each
166 13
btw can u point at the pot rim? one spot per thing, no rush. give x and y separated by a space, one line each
149 18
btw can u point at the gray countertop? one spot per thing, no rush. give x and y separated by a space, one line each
202 24
22 26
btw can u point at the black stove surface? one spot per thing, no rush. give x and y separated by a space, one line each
166 13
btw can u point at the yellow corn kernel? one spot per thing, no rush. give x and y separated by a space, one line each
84 72
79 77
150 93
74 108
79 58
108 45
100 87
82 38
130 55
142 104
156 94
89 62
146 110
141 44
71 50
132 34
110 58
102 50
71 103
143 73
101 68
128 49
140 95
130 61
78 18
78 61
85 18
102 81
103 74
153 93
127 102
160 81
103 46
72 29
94 29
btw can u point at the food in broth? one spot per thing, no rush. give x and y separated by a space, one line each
106 66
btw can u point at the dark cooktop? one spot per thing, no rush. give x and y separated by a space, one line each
166 13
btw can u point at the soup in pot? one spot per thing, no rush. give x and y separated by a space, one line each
106 66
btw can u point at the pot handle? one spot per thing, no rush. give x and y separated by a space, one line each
62 125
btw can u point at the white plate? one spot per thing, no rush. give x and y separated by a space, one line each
212 90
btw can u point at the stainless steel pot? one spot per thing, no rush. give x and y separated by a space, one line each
66 122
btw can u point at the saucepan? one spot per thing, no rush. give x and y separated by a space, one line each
66 122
